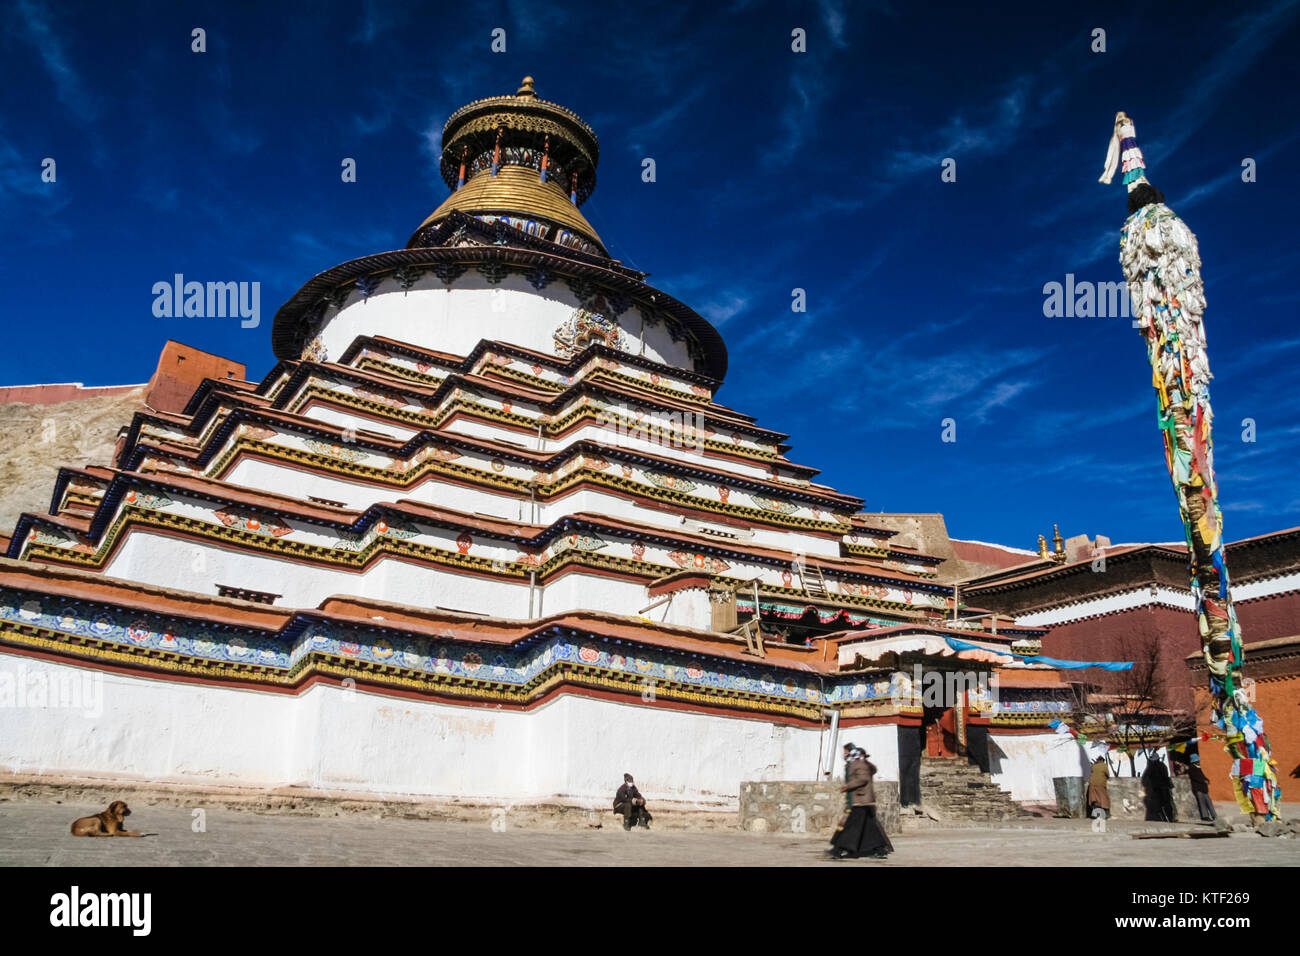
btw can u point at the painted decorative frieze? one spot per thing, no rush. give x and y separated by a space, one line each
577 541
314 351
672 482
146 499
246 521
395 528
774 504
703 562
585 327
505 672
339 452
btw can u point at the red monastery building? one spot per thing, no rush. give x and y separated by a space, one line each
1099 601
484 532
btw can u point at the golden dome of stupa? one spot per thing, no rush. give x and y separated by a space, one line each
523 159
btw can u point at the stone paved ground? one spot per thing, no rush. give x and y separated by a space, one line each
35 833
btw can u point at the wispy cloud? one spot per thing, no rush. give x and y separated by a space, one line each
375 22
807 91
833 18
72 91
376 122
1254 32
22 193
537 24
968 382
719 310
642 137
991 131
1231 178
19 175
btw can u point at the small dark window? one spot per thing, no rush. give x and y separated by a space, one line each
245 594
327 502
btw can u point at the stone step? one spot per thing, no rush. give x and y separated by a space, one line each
954 789
973 773
989 800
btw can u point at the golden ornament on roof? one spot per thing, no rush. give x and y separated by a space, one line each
522 158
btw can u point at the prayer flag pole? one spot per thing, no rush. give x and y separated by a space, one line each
1162 264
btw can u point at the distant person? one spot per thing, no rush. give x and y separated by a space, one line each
1201 790
860 833
629 802
1158 790
849 751
1098 793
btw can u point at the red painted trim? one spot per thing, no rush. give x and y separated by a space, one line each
583 484
134 527
752 461
680 582
873 721
62 392
1019 731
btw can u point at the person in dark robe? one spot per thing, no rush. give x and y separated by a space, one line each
1201 790
631 805
860 833
1098 793
948 731
1158 790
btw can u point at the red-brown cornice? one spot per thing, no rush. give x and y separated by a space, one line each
526 536
542 460
374 615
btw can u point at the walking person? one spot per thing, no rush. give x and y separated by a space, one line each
1098 792
1158 789
1201 789
860 833
629 802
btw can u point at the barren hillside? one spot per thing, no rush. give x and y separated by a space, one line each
35 440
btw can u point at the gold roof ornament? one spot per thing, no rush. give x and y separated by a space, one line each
1042 547
524 158
522 167
1058 543
515 190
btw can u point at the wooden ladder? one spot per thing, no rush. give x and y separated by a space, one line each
813 581
750 630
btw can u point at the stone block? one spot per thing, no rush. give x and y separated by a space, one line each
1071 793
807 807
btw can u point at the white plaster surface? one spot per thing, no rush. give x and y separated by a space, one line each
455 319
1025 764
345 419
880 741
572 748
284 479
1141 597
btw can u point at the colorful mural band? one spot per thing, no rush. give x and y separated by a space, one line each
433 663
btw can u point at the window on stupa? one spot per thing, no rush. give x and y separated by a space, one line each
246 594
327 502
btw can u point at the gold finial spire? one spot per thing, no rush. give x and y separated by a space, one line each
1058 543
526 88
1042 546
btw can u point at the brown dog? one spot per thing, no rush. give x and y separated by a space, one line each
106 824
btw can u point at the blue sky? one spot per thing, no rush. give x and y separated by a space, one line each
775 171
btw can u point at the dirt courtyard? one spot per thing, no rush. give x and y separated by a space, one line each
35 833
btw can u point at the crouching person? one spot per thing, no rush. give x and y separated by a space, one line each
631 805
